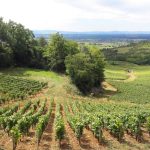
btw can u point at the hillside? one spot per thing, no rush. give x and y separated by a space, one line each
136 88
138 53
85 123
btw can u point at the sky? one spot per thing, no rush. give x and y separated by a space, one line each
79 15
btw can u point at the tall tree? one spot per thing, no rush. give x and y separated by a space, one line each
16 43
57 50
22 43
6 55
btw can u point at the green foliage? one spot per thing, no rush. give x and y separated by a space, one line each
116 127
15 134
96 125
75 122
84 118
42 124
10 111
86 69
11 121
42 42
7 122
138 53
57 50
22 42
38 60
3 110
17 123
148 124
5 115
18 46
59 124
134 125
135 91
116 118
77 125
18 88
5 55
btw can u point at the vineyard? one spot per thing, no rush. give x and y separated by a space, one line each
118 120
135 91
58 120
14 88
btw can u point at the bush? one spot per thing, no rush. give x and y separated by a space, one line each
86 69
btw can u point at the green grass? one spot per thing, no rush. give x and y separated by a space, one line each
37 74
137 53
59 85
144 46
136 91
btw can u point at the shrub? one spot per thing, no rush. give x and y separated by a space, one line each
86 69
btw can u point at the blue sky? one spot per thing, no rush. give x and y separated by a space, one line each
79 15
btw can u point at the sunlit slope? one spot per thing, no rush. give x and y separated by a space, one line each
136 90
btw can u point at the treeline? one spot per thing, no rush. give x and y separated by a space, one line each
138 53
19 47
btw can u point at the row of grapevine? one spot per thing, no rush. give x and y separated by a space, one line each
42 124
12 88
3 110
59 124
10 111
116 119
17 123
25 123
75 122
7 122
94 122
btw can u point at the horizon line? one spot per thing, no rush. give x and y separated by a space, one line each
113 31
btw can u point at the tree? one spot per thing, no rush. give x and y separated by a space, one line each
86 69
38 61
4 36
17 45
41 42
6 55
57 50
22 43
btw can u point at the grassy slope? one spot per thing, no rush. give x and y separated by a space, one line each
136 91
138 53
59 85
144 46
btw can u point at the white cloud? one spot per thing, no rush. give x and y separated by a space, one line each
78 14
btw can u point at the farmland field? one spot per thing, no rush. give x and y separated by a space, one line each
12 88
59 118
135 91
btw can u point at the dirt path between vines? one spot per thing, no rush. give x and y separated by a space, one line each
69 132
131 77
109 87
48 138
